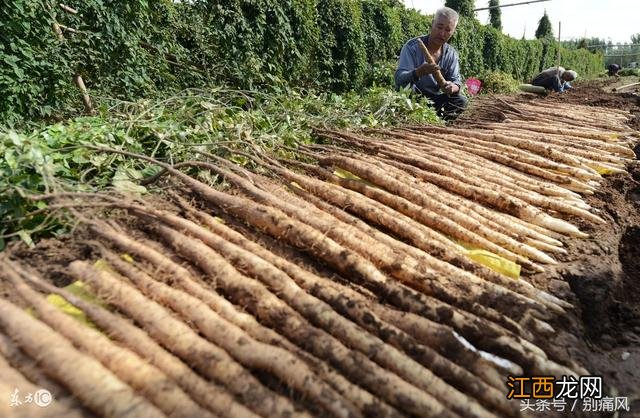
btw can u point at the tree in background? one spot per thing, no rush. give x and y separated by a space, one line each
495 15
582 44
463 7
544 27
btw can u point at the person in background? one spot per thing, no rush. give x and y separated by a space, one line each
415 72
555 78
613 70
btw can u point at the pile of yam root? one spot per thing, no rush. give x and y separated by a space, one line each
336 283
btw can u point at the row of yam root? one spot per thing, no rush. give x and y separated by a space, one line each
337 284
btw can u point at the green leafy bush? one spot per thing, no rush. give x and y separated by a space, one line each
629 72
149 48
498 82
341 56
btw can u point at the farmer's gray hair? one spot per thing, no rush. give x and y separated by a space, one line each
448 13
572 74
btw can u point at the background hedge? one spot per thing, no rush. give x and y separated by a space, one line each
247 44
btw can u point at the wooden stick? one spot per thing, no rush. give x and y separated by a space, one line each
437 74
67 29
57 30
625 86
68 9
77 78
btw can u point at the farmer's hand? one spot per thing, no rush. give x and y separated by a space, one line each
450 88
426 68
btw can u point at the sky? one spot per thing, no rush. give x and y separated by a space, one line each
616 20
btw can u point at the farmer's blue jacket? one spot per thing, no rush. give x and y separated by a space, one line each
411 57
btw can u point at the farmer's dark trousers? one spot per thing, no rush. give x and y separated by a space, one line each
448 107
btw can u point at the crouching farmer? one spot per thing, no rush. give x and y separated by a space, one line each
555 78
414 71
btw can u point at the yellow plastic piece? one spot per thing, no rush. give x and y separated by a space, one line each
78 289
344 174
495 263
603 170
104 266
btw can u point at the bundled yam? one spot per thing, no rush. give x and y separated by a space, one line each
528 164
356 306
28 368
494 139
477 290
510 205
568 144
580 118
254 294
486 170
581 133
455 224
208 395
413 259
246 350
531 198
340 297
491 278
522 159
96 387
183 278
530 226
343 233
618 114
263 304
147 380
482 332
492 172
485 333
468 207
590 157
296 297
209 359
